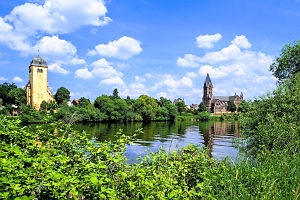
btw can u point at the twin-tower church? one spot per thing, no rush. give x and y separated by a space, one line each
37 89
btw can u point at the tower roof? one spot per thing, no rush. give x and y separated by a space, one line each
207 80
38 61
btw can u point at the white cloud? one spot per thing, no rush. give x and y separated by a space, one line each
113 81
123 48
58 50
101 68
3 78
162 94
172 82
56 16
207 41
241 41
189 60
216 73
17 79
83 73
191 75
56 67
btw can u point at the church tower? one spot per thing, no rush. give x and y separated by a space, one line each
37 89
207 93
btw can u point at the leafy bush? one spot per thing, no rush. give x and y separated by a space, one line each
203 116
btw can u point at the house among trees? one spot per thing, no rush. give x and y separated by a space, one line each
37 89
218 104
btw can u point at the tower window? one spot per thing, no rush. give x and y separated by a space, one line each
40 70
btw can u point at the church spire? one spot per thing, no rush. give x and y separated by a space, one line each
207 80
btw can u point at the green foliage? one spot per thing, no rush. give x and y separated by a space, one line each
244 106
202 107
84 102
146 106
59 163
272 123
115 94
44 166
203 116
231 106
17 96
5 88
288 64
62 95
180 106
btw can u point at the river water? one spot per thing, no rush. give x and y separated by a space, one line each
215 135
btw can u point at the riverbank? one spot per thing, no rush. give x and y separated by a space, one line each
40 165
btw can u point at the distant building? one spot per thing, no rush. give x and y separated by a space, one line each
37 89
217 104
177 100
194 106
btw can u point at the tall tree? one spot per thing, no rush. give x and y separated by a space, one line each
5 88
17 96
202 107
115 94
231 106
181 107
62 94
244 106
288 63
84 102
146 106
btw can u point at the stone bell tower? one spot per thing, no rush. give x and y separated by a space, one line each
37 89
207 93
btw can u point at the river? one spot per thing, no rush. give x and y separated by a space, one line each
215 135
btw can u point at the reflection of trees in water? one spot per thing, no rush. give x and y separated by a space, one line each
162 131
214 130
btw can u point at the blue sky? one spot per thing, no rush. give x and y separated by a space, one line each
154 47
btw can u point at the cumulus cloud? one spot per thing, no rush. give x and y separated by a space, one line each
189 60
241 41
172 82
17 79
83 73
56 67
191 75
123 48
29 21
113 81
58 50
208 41
56 16
101 69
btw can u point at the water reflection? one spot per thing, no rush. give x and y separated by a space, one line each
216 136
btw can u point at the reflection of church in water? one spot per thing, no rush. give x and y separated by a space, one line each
220 134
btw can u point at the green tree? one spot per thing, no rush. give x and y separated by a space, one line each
84 102
288 63
202 107
146 106
231 106
244 106
17 96
181 107
1 102
62 94
272 123
5 88
115 94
